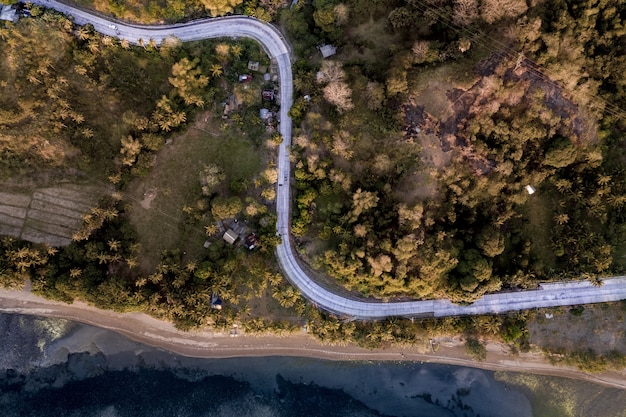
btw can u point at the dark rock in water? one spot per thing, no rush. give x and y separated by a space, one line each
312 400
126 393
23 337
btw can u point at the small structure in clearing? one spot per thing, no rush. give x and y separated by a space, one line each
327 50
216 302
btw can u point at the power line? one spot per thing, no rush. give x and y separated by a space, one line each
531 66
170 219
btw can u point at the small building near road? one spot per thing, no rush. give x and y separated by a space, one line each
8 13
265 114
245 78
230 236
253 65
268 95
216 302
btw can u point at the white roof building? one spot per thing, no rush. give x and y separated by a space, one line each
8 13
230 236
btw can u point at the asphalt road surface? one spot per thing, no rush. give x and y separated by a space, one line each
548 295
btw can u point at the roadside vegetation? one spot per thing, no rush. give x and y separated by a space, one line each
177 10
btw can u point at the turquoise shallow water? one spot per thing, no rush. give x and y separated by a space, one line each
51 367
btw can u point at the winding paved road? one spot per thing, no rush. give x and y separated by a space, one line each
549 295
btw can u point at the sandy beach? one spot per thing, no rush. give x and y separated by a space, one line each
147 330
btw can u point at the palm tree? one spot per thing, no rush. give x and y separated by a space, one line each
491 325
216 70
235 51
93 46
132 262
561 218
211 229
191 266
245 310
87 133
102 258
114 245
83 33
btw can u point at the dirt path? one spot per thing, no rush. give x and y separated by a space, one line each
207 344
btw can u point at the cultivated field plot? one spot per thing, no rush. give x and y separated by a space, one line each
47 215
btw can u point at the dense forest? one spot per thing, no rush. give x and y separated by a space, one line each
418 186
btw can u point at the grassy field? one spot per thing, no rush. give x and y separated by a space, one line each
537 230
175 178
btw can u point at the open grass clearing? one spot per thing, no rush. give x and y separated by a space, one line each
537 229
429 85
374 42
175 179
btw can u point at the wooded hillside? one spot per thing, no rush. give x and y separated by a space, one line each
414 158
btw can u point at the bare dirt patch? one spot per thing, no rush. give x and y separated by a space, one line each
18 200
148 196
434 98
600 327
420 127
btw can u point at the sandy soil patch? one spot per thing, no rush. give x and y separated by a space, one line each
36 236
44 200
148 196
53 218
17 212
11 221
432 153
600 327
435 100
10 230
19 200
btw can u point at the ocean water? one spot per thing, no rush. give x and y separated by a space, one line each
52 367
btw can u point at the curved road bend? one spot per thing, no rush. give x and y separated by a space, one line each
549 295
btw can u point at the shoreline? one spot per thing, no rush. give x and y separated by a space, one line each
145 329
